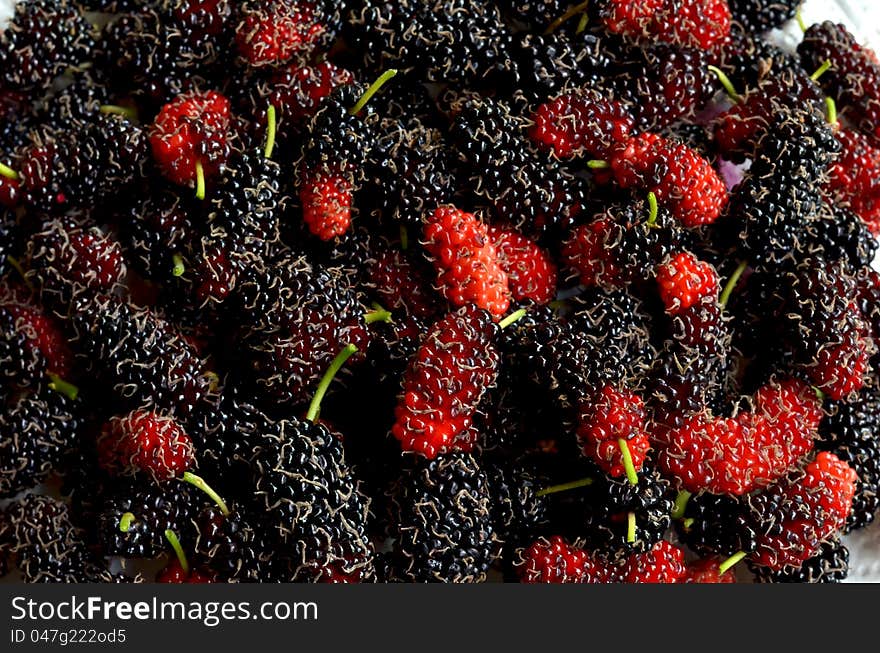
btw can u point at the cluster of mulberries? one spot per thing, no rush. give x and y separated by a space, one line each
436 291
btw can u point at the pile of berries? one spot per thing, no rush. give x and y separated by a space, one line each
436 291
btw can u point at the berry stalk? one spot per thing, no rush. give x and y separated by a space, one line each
200 181
371 91
8 173
725 82
271 127
126 521
327 379
199 482
512 318
628 465
178 268
571 12
565 487
731 561
821 70
178 549
631 527
731 283
116 110
681 501
64 387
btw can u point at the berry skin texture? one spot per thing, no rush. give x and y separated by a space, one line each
611 416
752 450
65 259
854 177
581 123
692 23
146 443
683 181
272 33
326 203
854 77
444 525
706 571
444 383
173 573
662 564
796 516
44 335
466 261
531 273
554 560
191 129
685 280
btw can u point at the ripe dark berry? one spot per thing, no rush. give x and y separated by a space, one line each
444 526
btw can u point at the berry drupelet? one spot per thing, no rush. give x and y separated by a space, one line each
466 260
530 270
553 560
828 335
317 512
829 565
36 431
138 355
444 383
853 177
758 16
147 443
295 318
48 547
43 38
854 77
795 516
444 526
771 208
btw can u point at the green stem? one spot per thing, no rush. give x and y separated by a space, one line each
200 483
595 164
821 70
654 209
681 502
564 487
335 366
570 13
831 110
582 24
200 181
800 20
513 317
404 237
126 521
687 523
178 549
628 465
732 560
115 109
726 84
371 91
731 283
179 268
378 315
9 173
60 385
819 394
631 527
271 126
